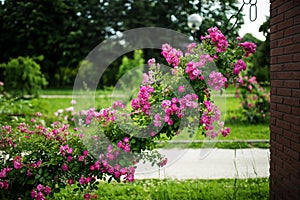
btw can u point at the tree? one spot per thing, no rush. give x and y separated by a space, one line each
23 76
64 31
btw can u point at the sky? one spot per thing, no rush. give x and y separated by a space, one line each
263 10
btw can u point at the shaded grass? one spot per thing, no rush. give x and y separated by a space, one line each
167 189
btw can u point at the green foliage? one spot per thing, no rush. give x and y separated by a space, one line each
255 100
65 31
22 76
129 64
176 189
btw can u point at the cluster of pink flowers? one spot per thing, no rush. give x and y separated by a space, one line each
157 120
249 47
176 107
171 55
171 108
193 69
142 102
34 165
216 80
118 104
148 78
40 191
239 66
6 141
65 149
191 47
188 101
210 118
4 184
17 162
217 38
88 196
124 145
105 115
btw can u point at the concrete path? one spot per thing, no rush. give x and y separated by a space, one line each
209 164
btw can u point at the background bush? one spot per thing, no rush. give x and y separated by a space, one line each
23 76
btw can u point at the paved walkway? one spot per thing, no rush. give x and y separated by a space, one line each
209 164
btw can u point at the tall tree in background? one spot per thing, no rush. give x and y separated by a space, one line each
65 31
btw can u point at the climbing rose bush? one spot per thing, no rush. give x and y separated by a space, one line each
36 161
255 100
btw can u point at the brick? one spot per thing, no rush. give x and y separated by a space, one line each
276 99
295 92
296 75
291 30
291 66
292 84
291 118
276 130
277 51
282 75
284 108
276 114
295 128
277 83
296 57
296 111
297 20
283 157
285 58
285 6
283 124
275 68
273 44
277 35
294 155
273 91
296 38
275 4
294 137
273 106
296 181
295 146
291 12
274 28
285 41
290 49
276 145
284 91
277 160
296 3
272 136
273 12
283 140
285 24
273 60
291 101
276 19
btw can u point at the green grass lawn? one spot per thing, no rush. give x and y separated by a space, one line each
166 189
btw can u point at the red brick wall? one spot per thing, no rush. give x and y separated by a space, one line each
285 99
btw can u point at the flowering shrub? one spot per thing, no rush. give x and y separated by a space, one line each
37 160
255 100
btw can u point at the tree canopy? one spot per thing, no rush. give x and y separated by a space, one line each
64 31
